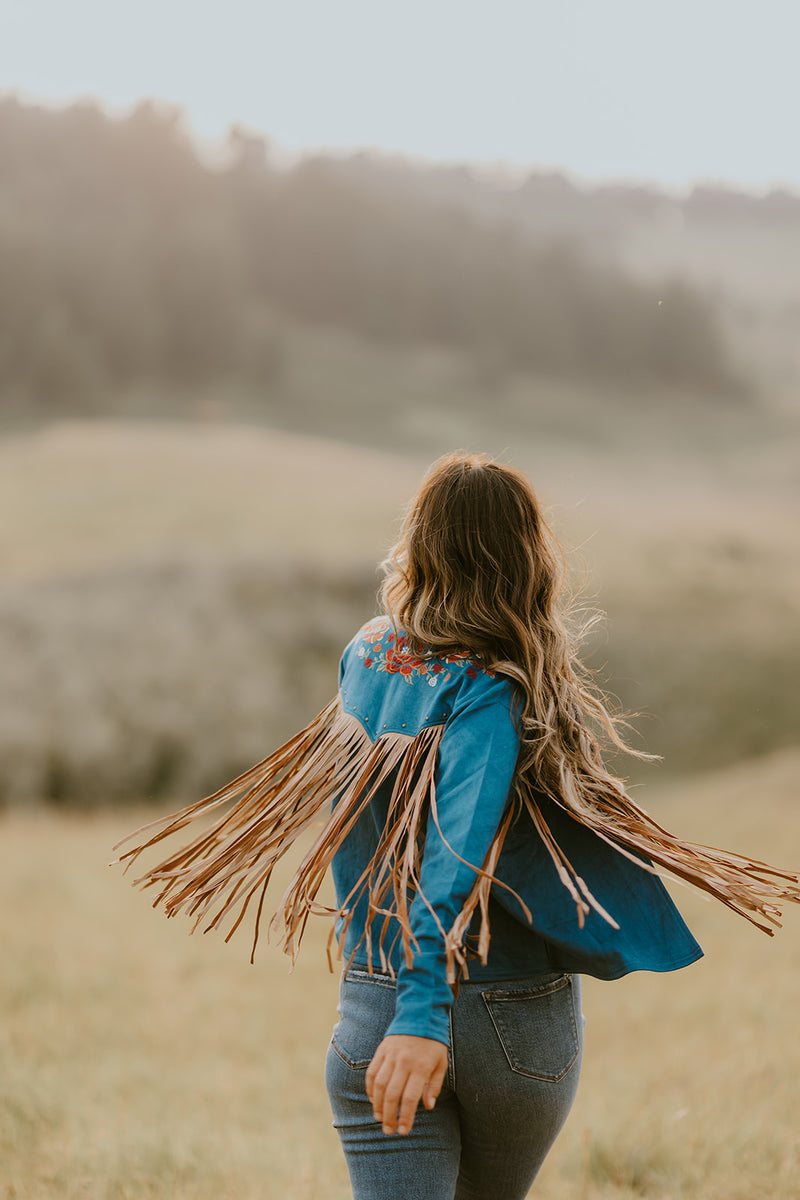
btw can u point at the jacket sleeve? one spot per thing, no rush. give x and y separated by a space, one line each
477 757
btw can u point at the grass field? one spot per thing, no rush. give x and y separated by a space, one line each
137 1062
91 495
173 597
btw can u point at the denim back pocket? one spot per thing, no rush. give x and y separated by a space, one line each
537 1027
366 1008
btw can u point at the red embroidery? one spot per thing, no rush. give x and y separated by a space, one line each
381 650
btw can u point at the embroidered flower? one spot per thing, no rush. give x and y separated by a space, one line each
382 650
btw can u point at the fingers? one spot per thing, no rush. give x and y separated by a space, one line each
371 1076
409 1099
396 1096
384 1081
435 1084
402 1073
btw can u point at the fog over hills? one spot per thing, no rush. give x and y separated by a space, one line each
132 263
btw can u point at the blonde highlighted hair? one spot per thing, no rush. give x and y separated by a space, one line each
477 568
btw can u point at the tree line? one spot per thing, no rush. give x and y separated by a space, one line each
127 257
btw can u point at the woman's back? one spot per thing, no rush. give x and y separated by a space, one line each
397 699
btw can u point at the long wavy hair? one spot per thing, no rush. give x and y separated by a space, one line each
477 568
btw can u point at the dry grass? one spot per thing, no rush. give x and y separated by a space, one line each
96 494
138 1062
92 495
133 684
175 597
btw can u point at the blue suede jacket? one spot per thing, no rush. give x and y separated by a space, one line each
389 691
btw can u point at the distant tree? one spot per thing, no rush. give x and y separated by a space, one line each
125 257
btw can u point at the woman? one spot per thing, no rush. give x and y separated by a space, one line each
482 854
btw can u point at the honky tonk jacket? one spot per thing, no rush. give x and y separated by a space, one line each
442 871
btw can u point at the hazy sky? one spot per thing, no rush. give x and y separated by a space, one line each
673 91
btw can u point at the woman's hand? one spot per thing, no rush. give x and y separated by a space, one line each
405 1070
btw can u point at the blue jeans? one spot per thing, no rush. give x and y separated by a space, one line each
515 1058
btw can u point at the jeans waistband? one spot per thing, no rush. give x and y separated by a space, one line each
362 972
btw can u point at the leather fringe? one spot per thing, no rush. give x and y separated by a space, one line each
228 866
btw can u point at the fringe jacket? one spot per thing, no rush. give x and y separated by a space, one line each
410 770
466 715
